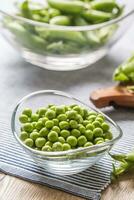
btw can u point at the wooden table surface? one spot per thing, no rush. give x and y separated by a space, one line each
12 188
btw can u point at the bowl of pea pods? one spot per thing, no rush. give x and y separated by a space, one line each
62 134
64 35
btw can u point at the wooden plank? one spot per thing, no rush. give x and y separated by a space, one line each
12 188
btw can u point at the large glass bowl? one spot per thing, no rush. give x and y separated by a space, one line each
64 162
61 47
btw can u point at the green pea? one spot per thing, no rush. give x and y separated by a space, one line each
79 110
85 111
96 140
42 112
23 118
72 114
81 128
88 144
92 113
72 106
34 135
23 135
40 142
90 126
73 124
61 139
60 20
65 133
57 146
99 142
46 148
82 140
48 143
66 146
56 122
98 132
44 119
62 117
53 136
79 119
89 135
43 132
85 122
28 127
56 129
72 141
64 125
101 116
27 112
92 118
34 117
34 125
99 119
108 135
75 133
60 110
29 142
50 114
39 125
50 105
96 124
49 124
105 126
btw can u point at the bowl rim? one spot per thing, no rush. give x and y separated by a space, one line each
92 149
70 28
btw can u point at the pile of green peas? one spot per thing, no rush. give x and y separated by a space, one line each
64 127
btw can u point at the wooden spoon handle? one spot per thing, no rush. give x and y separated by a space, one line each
118 95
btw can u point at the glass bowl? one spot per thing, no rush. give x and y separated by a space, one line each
62 162
62 48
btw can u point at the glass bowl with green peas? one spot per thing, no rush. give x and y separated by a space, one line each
63 34
61 133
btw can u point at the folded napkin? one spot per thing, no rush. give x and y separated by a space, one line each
88 184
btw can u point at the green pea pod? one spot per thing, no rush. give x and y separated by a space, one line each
55 47
95 16
60 20
125 72
92 38
63 48
25 11
62 35
104 5
119 157
130 157
128 68
79 21
65 6
107 32
25 38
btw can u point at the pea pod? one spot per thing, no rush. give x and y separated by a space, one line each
60 20
125 72
79 21
95 16
25 38
104 5
65 6
61 35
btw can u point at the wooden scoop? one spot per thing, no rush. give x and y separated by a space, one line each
115 96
